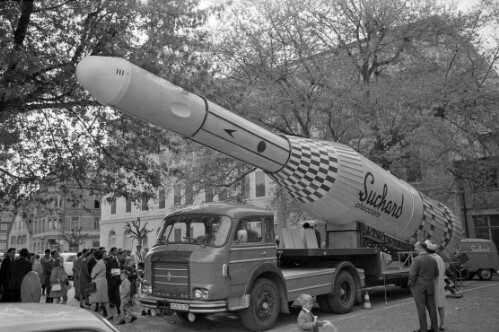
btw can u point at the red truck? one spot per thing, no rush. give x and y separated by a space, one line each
218 257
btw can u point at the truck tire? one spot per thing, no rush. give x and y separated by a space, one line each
264 306
484 274
343 299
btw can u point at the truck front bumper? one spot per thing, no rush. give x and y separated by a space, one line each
200 307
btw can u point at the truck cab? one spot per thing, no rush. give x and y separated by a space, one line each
206 260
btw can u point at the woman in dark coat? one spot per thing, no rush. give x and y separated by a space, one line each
59 277
84 280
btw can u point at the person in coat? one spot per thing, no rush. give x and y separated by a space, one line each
84 280
99 276
4 281
45 260
76 274
422 274
37 266
48 266
58 277
31 288
113 270
17 270
440 301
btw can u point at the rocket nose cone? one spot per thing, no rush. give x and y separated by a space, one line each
104 77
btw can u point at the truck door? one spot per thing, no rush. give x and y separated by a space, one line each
253 245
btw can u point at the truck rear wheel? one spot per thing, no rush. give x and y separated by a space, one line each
343 299
484 274
264 306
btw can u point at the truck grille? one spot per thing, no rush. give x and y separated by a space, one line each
170 280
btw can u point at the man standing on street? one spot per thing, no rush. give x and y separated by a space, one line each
422 274
113 270
44 260
18 269
4 281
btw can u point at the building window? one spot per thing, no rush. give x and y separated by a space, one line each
3 246
3 227
162 198
113 206
260 184
96 222
189 194
208 194
112 239
13 240
222 195
145 204
177 194
487 227
19 239
74 223
128 207
3 236
96 204
95 244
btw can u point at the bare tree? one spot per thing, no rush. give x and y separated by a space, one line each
137 230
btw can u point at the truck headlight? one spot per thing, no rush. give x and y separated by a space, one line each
146 287
201 294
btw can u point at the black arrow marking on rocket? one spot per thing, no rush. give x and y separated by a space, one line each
230 132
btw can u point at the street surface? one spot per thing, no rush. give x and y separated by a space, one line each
476 311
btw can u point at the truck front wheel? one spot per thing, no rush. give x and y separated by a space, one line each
484 274
264 306
343 299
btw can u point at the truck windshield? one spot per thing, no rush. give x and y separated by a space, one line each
210 230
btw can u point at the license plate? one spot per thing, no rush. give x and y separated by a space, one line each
179 306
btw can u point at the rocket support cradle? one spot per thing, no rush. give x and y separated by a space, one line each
329 180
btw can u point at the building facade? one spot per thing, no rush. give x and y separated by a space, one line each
6 221
20 234
63 219
118 212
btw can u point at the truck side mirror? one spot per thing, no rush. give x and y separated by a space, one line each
242 236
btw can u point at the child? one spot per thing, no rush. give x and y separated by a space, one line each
126 300
306 320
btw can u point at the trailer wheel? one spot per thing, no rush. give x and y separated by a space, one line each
343 299
264 306
484 274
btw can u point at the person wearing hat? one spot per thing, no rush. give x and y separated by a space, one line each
439 282
422 274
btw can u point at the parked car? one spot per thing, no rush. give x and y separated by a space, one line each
69 258
39 317
483 259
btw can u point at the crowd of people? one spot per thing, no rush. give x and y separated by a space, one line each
102 280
